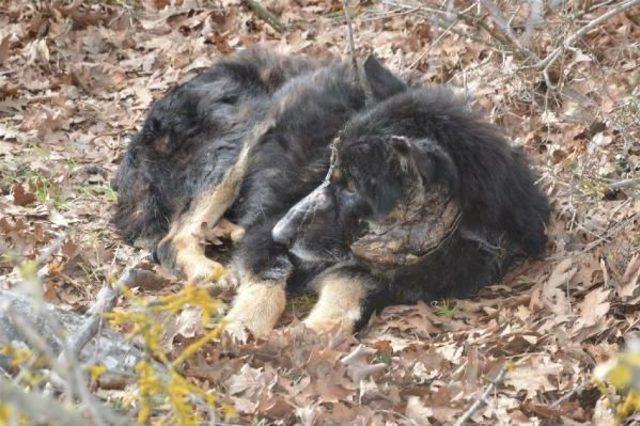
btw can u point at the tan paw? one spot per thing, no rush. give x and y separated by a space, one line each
201 269
257 307
339 305
329 325
236 330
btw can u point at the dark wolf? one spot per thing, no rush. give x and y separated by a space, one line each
353 184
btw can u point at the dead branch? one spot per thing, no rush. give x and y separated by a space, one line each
114 353
555 54
39 327
570 394
473 21
505 35
47 254
41 409
359 352
105 301
65 372
483 398
265 15
352 45
624 183
494 11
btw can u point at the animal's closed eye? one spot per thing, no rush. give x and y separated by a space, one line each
229 99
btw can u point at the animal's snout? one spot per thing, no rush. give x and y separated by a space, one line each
287 228
283 232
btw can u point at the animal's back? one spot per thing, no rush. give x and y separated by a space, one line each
192 136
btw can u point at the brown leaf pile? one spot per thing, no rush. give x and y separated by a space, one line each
76 79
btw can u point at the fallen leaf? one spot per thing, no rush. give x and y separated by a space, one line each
630 279
22 197
594 306
417 412
554 290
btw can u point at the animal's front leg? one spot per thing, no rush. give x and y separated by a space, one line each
257 307
347 297
262 269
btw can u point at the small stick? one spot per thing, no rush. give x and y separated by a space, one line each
483 398
105 301
352 44
265 15
39 407
623 183
553 56
494 11
568 395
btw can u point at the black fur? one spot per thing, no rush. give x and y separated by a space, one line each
440 142
194 134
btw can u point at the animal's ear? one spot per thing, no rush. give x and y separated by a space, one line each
382 82
433 162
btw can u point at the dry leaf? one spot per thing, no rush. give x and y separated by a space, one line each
594 306
554 290
22 197
630 279
417 412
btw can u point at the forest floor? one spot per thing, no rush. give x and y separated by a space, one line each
76 79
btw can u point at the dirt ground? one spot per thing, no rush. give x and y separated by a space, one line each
77 77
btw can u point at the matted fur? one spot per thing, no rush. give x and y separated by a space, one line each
250 139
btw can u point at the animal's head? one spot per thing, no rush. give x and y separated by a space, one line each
144 184
408 172
386 198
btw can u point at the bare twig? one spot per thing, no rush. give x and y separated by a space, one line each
494 11
358 352
39 407
432 45
555 54
265 15
47 254
105 301
624 183
570 394
67 370
448 29
533 21
483 398
474 21
352 44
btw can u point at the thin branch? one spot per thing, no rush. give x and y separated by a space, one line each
473 21
38 407
570 394
105 301
265 15
483 398
553 56
47 254
494 11
352 44
624 183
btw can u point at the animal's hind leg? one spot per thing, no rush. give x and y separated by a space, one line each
182 249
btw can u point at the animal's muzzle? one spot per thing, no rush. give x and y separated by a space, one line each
288 228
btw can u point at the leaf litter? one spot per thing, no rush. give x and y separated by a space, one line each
77 78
